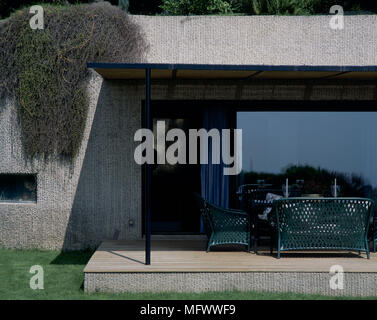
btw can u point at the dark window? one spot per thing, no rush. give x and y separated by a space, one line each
18 188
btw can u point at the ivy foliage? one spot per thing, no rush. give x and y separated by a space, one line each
300 7
263 7
281 7
201 7
45 70
195 7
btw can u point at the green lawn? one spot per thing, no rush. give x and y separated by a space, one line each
63 279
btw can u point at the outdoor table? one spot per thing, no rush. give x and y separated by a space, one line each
251 196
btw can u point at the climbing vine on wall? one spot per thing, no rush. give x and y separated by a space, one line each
45 70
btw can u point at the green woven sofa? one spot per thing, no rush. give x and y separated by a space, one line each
322 224
224 226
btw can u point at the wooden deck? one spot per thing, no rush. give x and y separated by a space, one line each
190 256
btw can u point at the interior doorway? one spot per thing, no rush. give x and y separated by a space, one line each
172 187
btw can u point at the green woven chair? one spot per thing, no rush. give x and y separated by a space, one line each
373 231
224 226
323 224
202 205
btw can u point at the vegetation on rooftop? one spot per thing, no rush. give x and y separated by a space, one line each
261 7
45 72
228 7
298 7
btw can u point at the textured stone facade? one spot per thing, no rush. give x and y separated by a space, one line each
78 206
355 283
261 40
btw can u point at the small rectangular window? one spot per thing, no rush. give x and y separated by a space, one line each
18 188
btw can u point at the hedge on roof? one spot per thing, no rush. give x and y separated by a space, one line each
259 7
229 7
45 70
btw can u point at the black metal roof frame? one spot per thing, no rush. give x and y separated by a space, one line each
230 67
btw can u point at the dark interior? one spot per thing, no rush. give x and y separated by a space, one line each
172 203
18 187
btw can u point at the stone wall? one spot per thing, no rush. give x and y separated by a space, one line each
78 205
261 40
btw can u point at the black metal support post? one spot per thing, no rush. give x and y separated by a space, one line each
148 123
256 232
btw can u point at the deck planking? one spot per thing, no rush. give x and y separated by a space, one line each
190 256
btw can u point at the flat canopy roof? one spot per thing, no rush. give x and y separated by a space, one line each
227 71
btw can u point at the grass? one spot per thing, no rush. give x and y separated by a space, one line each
63 279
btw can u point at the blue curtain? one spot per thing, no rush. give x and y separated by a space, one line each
215 185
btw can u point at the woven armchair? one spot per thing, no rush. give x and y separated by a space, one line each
323 224
224 226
